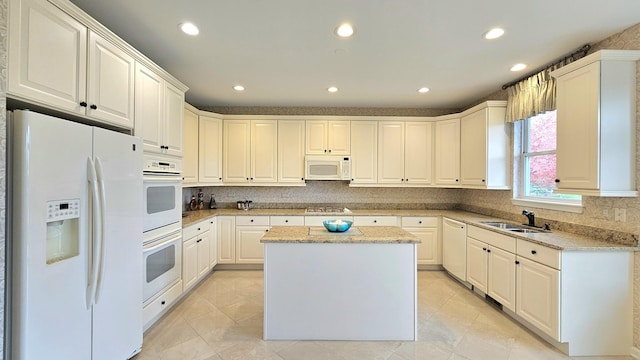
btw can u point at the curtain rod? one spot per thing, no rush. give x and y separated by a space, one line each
583 50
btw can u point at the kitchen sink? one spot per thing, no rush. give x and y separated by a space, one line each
511 227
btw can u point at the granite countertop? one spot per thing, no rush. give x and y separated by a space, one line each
355 235
555 239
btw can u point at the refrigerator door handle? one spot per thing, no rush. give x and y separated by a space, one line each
103 227
95 210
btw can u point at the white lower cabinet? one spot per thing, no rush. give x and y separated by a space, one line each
426 229
376 221
538 294
213 242
151 312
195 253
226 239
249 231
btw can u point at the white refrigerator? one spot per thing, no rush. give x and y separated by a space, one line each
76 240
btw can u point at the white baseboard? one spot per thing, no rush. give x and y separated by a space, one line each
635 352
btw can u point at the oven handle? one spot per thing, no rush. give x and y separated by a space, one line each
163 241
93 272
161 178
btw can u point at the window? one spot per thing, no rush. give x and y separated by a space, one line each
537 170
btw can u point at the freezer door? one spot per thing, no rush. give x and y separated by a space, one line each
51 318
117 313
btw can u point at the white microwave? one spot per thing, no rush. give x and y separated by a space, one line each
323 167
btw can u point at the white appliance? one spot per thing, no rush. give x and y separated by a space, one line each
76 241
162 200
454 248
327 167
162 260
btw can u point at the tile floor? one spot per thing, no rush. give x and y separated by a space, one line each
222 320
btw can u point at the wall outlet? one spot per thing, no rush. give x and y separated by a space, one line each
620 214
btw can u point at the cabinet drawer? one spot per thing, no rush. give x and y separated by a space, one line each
419 221
161 303
375 221
195 229
287 220
539 253
252 220
317 220
503 242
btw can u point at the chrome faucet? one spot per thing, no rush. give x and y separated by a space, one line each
531 216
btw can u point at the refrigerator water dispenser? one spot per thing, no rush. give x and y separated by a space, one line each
62 230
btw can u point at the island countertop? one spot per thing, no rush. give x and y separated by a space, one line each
355 235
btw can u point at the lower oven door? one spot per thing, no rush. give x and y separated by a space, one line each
162 261
162 200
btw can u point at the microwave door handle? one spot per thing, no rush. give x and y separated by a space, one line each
95 209
103 227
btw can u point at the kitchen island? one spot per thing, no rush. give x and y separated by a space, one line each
357 285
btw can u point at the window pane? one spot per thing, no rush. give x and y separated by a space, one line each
542 132
540 175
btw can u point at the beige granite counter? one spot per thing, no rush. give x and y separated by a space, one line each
366 235
554 239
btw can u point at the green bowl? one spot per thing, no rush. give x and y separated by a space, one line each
337 225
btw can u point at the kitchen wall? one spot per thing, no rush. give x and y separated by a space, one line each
335 193
598 212
3 160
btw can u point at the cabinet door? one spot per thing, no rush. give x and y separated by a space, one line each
249 250
210 150
264 151
110 86
316 137
173 112
501 277
237 144
149 108
189 263
339 137
391 152
213 242
226 240
477 264
364 152
418 153
203 254
447 170
291 151
473 148
578 128
190 154
538 296
428 251
47 56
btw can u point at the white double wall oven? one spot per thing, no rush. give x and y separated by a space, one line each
162 225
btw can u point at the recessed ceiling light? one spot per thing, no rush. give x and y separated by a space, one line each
493 33
423 90
189 28
344 30
518 67
238 88
332 89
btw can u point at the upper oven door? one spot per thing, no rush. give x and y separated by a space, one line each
162 200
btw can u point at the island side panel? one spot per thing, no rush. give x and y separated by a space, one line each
320 291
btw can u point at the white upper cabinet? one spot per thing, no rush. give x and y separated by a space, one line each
190 155
209 150
484 147
405 153
250 152
56 61
328 137
447 153
596 101
364 152
391 152
291 151
159 112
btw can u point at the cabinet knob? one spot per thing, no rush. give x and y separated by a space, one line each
483 180
517 262
420 222
93 107
286 221
488 250
484 249
251 179
407 180
302 179
329 150
457 180
375 221
325 150
533 252
83 103
557 181
163 302
198 229
266 230
247 179
251 220
219 178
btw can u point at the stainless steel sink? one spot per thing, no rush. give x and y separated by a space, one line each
511 227
523 230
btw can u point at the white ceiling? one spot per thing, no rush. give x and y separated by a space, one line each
285 52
